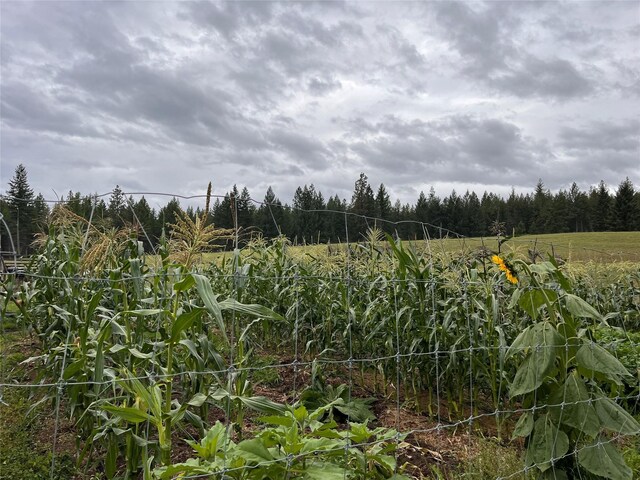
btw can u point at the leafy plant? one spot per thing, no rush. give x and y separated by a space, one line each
296 445
562 381
319 394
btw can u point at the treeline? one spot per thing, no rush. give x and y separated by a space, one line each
310 218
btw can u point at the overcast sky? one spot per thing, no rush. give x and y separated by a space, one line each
466 95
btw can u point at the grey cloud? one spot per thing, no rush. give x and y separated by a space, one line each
479 36
536 77
25 108
320 86
603 136
301 148
485 39
228 17
458 147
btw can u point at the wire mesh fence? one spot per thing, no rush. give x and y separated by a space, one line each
332 361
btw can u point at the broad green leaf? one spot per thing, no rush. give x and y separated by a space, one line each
185 284
128 414
98 373
210 302
580 308
554 474
262 404
593 357
73 368
542 268
615 418
531 301
138 354
573 407
198 400
283 420
93 304
183 322
324 471
254 451
603 459
145 312
253 309
539 361
193 350
318 444
547 443
117 328
522 342
301 413
151 396
356 410
116 348
524 426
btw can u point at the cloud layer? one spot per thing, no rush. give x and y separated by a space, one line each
164 97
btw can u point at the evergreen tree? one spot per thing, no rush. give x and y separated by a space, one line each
579 216
383 208
601 204
222 215
541 202
471 215
40 211
363 204
270 215
625 213
117 206
145 219
246 209
435 214
21 210
558 214
452 206
492 209
307 216
167 216
422 209
334 219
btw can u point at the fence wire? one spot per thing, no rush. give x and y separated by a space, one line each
435 350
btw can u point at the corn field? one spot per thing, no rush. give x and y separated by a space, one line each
265 363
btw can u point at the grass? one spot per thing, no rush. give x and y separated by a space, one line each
581 247
493 460
25 449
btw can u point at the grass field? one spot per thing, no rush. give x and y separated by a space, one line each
601 247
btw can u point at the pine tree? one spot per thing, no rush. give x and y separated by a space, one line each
334 219
21 210
246 209
383 208
308 223
145 218
363 204
600 201
625 212
117 206
168 215
270 215
541 202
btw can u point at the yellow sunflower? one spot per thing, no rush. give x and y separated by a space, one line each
506 268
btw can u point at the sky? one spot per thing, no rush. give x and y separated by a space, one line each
167 96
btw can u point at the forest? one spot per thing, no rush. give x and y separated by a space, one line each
310 218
